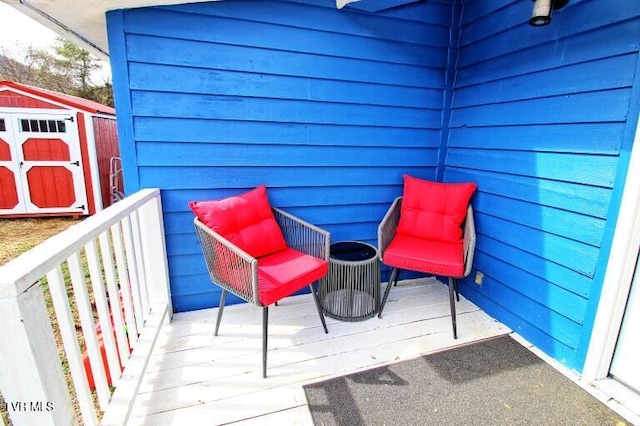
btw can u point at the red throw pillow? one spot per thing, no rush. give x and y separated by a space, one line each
434 211
245 219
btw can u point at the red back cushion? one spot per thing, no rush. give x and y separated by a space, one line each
434 211
246 220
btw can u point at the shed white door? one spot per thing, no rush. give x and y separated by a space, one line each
624 366
47 161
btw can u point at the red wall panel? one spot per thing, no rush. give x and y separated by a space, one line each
45 150
51 186
8 190
106 136
16 100
5 151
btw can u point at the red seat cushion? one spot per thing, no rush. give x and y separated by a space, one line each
283 273
432 257
432 210
245 219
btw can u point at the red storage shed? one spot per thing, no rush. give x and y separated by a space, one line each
55 152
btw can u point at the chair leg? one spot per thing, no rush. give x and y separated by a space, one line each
319 308
453 307
457 283
393 280
265 326
223 297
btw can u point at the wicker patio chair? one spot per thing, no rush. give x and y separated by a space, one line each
265 276
402 246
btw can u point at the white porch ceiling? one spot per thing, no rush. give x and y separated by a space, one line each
84 21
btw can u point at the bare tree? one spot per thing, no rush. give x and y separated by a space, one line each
64 68
21 71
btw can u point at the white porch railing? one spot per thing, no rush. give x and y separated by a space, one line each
121 251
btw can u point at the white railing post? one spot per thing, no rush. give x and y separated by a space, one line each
134 273
87 324
154 252
31 377
66 325
132 262
138 247
127 299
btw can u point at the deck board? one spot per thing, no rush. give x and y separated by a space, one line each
194 376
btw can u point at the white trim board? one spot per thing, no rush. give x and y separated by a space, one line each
617 282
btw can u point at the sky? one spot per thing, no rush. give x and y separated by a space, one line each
18 31
16 28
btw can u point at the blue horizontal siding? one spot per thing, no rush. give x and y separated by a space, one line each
523 322
327 108
246 177
577 19
476 14
416 23
222 155
589 46
576 256
556 274
584 138
330 108
217 107
603 74
151 77
567 167
598 107
540 120
289 197
554 325
555 299
219 131
588 200
144 48
180 244
556 221
182 222
239 31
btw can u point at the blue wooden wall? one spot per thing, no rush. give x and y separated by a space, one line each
327 107
543 120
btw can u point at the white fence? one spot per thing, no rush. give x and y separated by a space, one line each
111 269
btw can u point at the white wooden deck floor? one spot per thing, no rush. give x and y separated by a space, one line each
196 377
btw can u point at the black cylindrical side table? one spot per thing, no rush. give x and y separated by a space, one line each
351 289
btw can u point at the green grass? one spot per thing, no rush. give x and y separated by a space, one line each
20 235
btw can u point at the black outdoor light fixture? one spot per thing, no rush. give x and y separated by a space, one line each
541 15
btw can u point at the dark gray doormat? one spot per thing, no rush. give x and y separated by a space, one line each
493 382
